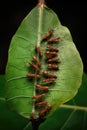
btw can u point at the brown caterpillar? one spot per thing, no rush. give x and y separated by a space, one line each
49 57
40 104
53 53
45 88
37 60
51 48
45 110
53 60
34 66
53 40
39 51
38 96
46 74
33 76
52 66
50 33
49 80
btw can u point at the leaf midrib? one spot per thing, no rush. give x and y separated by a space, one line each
38 44
83 108
39 26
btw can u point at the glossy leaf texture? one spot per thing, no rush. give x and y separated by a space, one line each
19 89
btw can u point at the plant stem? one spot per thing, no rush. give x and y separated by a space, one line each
41 2
36 123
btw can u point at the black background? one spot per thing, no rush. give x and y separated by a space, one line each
71 14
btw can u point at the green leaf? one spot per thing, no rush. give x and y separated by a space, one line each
72 115
19 89
2 84
9 120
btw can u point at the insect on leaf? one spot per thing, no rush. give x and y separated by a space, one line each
71 115
44 68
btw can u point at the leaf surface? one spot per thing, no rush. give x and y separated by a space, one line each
20 90
9 120
72 115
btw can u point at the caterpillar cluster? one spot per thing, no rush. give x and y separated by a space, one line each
52 61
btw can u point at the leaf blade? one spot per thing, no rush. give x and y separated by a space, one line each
74 109
19 90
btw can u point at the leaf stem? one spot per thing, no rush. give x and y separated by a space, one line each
36 123
41 3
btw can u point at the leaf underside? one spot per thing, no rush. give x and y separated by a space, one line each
19 89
